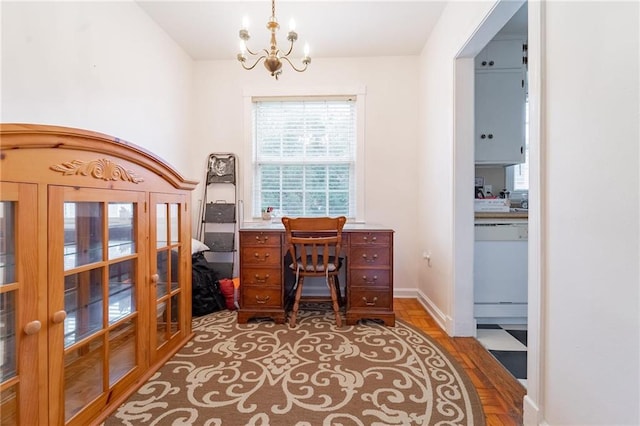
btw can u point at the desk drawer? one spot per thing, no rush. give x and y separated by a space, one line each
260 297
369 278
369 299
261 256
260 239
261 277
370 256
370 238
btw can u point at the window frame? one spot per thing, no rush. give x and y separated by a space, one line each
510 172
247 184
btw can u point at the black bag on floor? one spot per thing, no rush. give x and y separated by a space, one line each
206 296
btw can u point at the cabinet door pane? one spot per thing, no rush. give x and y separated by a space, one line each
122 350
121 230
8 344
83 303
162 321
83 375
82 234
175 313
9 400
122 283
7 242
162 232
174 223
163 269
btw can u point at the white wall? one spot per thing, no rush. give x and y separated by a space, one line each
438 193
590 333
101 66
590 209
391 166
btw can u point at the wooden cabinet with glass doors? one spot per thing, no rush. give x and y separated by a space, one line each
95 272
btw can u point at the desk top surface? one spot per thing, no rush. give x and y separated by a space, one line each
267 225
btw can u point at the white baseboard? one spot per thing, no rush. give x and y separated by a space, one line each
443 320
405 293
531 413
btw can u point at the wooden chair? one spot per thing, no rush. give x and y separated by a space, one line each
314 245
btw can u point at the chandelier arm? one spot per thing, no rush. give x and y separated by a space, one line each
254 64
290 49
252 52
293 66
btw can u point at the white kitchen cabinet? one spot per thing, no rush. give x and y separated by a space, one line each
501 54
499 117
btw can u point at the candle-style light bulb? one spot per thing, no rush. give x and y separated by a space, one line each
292 25
243 47
306 50
245 23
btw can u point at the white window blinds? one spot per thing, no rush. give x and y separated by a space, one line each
304 156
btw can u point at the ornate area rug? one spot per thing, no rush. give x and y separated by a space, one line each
263 373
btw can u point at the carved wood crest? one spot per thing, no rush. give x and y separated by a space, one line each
100 169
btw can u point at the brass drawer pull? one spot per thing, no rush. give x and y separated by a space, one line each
261 280
372 281
263 259
366 239
372 303
262 239
262 300
368 260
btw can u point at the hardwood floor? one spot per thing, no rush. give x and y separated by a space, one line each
501 394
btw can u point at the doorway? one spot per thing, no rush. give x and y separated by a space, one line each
464 173
500 242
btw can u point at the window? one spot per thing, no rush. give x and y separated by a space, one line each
517 176
304 156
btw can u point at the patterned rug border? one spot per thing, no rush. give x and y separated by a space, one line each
139 408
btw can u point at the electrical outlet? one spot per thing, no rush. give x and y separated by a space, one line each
427 256
488 189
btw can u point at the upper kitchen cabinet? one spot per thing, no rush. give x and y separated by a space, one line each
502 54
500 99
500 117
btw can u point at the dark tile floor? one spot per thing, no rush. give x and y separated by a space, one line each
508 344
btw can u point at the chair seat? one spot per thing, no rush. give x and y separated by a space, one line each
331 267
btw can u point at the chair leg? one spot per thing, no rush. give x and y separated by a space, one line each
334 300
341 300
296 303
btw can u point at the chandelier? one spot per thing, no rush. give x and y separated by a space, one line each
273 57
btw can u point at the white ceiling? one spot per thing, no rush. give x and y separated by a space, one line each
208 29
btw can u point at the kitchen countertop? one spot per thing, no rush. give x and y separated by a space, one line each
502 215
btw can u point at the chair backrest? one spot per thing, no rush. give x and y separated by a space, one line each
314 243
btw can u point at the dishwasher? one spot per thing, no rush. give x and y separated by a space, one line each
500 269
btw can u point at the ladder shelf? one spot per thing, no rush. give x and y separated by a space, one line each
218 213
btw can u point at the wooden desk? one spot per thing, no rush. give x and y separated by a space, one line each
266 281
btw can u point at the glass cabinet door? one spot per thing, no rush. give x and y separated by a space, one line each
20 325
168 220
96 282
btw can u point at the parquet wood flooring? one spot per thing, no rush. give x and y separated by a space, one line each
501 394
